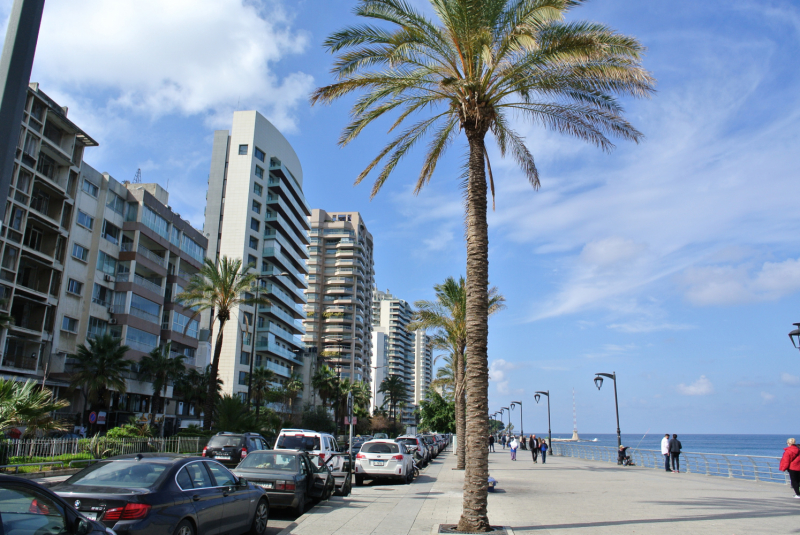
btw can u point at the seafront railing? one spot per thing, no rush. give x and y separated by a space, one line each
753 467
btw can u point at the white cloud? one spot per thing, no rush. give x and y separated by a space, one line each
767 397
611 251
641 326
726 285
183 56
499 372
701 387
789 379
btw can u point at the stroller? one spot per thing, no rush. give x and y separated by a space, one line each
623 458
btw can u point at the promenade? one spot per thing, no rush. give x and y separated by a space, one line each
566 496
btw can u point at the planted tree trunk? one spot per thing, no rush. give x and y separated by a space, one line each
211 395
461 417
474 517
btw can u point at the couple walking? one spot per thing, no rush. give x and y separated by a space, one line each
671 450
538 447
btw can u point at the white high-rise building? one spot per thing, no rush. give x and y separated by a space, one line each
256 211
423 365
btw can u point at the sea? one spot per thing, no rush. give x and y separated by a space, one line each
762 445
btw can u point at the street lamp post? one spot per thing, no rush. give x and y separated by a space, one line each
521 426
509 416
794 336
598 381
537 397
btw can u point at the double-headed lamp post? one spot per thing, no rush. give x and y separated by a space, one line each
598 380
794 336
537 397
509 416
521 427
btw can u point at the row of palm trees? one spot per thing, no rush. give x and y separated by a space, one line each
476 67
333 390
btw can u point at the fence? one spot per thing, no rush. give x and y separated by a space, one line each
751 467
50 449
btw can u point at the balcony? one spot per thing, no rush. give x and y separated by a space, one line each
139 346
141 281
147 316
150 255
20 362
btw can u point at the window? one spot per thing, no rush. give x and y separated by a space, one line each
258 189
253 242
90 188
74 287
221 475
252 261
145 309
80 252
102 296
155 222
10 257
132 212
255 224
111 232
259 173
242 378
140 340
85 220
184 481
97 327
15 221
256 207
116 203
244 358
27 510
259 154
199 475
179 322
69 325
190 247
242 150
175 237
106 263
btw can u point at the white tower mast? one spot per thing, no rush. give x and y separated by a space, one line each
574 418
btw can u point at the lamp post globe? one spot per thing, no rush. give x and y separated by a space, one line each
794 336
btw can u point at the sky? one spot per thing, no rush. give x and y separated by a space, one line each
674 262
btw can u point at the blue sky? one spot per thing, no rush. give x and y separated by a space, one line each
675 262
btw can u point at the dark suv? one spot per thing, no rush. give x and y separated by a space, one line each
231 448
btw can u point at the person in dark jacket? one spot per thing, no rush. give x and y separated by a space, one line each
491 442
675 448
533 444
543 447
791 462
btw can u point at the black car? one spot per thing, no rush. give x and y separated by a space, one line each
27 507
166 494
290 478
231 448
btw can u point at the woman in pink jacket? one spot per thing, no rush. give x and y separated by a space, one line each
791 462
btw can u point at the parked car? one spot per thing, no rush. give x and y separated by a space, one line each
430 442
416 442
166 494
356 447
381 436
231 448
322 445
27 507
290 478
384 459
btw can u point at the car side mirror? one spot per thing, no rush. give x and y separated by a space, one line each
82 526
242 482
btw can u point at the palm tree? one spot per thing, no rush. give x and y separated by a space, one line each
220 289
326 383
231 414
446 376
480 63
193 386
161 369
447 316
262 378
292 387
394 391
26 404
100 367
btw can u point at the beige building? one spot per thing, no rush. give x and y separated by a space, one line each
339 310
256 211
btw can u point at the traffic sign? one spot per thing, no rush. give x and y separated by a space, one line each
92 417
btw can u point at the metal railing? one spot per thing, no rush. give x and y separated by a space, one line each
144 251
752 467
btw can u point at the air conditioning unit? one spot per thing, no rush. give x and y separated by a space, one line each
112 321
108 278
111 310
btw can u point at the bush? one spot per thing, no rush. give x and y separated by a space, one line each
125 431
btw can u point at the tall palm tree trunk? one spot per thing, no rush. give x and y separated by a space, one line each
461 417
473 515
211 395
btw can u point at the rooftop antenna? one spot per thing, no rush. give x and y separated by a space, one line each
137 178
574 418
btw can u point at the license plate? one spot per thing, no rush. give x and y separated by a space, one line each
378 463
90 516
265 485
223 457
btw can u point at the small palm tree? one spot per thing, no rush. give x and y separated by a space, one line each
394 393
231 414
262 378
447 317
221 289
24 404
446 377
100 367
292 387
471 70
325 382
161 369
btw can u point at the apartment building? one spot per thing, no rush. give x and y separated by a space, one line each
423 365
380 366
393 315
339 309
256 211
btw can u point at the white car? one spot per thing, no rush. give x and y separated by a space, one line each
321 445
384 459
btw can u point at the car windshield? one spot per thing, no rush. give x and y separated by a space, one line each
120 474
408 441
222 441
270 461
380 447
298 442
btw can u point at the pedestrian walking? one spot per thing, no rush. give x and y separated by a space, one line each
503 440
533 444
513 445
675 448
665 451
543 447
790 462
491 442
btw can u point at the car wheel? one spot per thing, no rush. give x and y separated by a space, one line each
409 477
359 481
260 518
184 528
301 507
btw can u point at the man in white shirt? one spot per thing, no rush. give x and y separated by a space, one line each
665 451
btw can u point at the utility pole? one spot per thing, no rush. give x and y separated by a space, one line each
16 63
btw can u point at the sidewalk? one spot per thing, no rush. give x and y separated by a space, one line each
566 496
